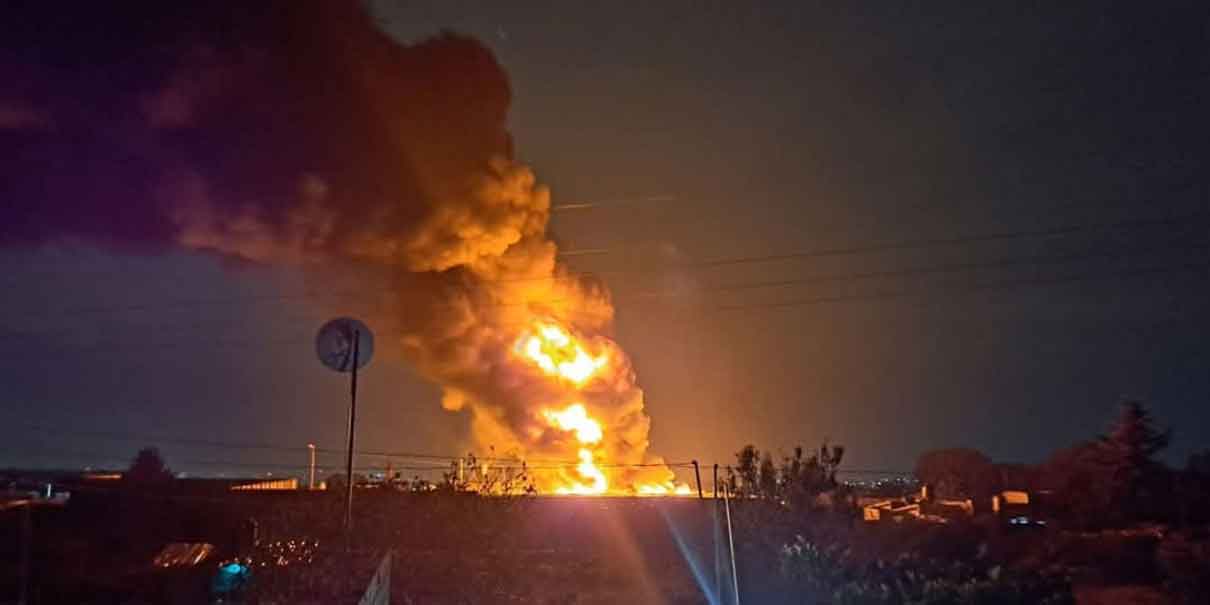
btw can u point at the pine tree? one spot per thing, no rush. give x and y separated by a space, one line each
148 467
747 467
1128 454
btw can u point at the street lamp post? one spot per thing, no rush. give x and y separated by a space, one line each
311 475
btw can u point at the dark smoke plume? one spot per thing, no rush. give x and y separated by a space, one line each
295 131
260 129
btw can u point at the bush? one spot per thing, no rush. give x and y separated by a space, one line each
831 574
1184 559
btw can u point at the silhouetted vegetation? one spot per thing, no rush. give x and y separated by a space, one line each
1123 524
1137 482
1114 479
147 468
796 482
489 476
1122 527
958 473
1199 465
833 575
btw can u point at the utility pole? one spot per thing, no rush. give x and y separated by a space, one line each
27 538
352 439
697 473
344 345
731 544
311 473
717 525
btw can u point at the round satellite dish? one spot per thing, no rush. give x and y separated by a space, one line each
334 344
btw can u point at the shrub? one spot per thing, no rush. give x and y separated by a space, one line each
821 573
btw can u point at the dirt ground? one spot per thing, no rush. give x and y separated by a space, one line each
448 549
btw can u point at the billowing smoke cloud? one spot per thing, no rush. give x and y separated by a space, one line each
295 131
263 130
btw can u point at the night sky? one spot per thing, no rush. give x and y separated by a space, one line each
1064 145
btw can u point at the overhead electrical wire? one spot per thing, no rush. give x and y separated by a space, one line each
388 454
855 249
851 276
1037 282
584 205
875 296
442 462
1062 230
95 460
953 267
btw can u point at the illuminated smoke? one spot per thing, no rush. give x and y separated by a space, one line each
296 132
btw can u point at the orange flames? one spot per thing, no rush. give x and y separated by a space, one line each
553 350
587 431
574 418
563 358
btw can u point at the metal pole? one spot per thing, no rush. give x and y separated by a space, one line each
731 544
352 438
717 526
715 484
311 474
698 474
27 538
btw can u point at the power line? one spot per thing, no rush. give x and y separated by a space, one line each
969 289
705 264
192 344
24 282
945 268
585 205
864 297
244 464
190 304
176 327
238 445
855 276
129 436
911 244
518 465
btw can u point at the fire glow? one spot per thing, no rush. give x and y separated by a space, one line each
562 357
425 200
574 418
553 350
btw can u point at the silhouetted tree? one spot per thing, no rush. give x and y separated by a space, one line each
1199 464
147 467
1076 478
1115 478
745 480
958 473
795 483
802 478
1128 452
495 476
1192 491
336 481
767 480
